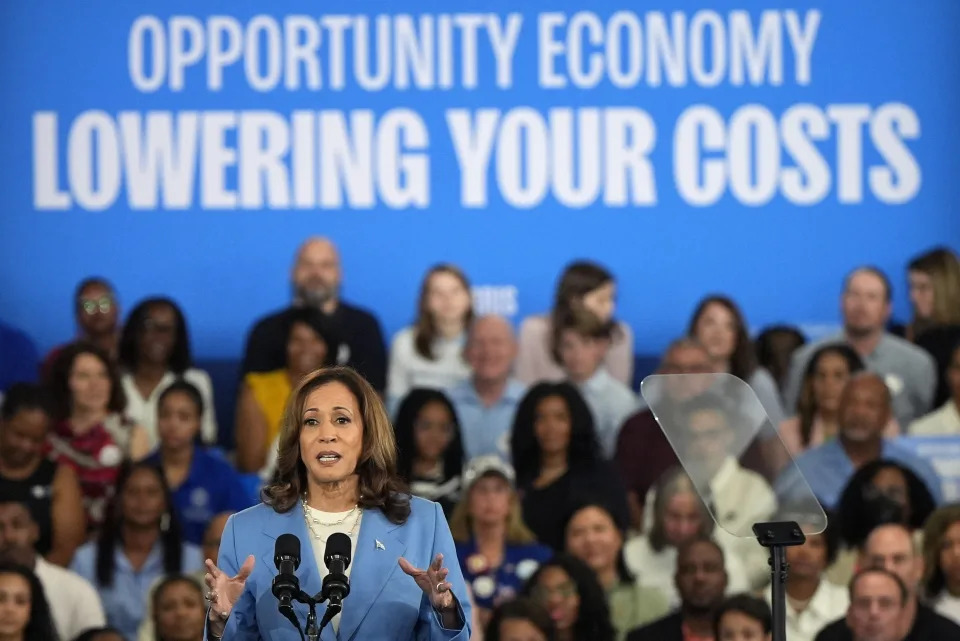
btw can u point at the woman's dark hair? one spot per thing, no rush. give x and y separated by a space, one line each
181 386
584 448
743 361
755 608
40 625
579 278
861 510
60 379
525 609
593 619
93 633
404 427
934 530
316 321
129 353
380 485
161 587
425 329
22 397
806 401
112 532
774 346
624 575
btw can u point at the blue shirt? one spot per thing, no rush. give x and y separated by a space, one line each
828 469
492 586
486 430
125 600
611 403
212 486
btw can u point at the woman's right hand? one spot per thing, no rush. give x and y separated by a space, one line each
224 591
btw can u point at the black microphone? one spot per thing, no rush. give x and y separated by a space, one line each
286 556
336 585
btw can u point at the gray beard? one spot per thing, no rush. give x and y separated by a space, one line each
315 298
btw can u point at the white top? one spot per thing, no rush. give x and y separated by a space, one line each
144 410
829 603
657 569
941 422
408 369
74 603
948 606
611 403
350 527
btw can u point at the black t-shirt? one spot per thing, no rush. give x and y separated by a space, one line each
356 328
928 626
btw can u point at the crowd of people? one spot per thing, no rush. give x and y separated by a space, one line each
573 517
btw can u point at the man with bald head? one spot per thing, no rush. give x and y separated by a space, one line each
864 411
487 401
316 279
891 548
908 370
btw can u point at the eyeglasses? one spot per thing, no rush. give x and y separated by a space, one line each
91 306
543 593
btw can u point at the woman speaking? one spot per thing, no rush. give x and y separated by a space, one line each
336 472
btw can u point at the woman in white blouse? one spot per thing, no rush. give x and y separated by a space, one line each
155 352
429 353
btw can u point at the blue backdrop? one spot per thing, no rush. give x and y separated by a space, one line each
187 148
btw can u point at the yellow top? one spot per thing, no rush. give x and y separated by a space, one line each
271 391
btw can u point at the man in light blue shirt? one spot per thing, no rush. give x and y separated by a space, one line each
865 408
487 401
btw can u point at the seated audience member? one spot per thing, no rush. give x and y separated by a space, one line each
818 407
101 634
719 326
139 543
18 358
97 316
316 278
908 370
945 420
643 453
177 610
521 619
26 613
558 462
263 396
429 447
813 600
51 492
878 601
569 590
155 352
429 353
880 492
743 618
941 561
90 433
594 537
203 484
497 552
891 548
583 342
74 603
487 401
865 410
774 346
584 285
934 279
679 516
702 583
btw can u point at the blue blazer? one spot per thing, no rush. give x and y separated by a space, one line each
384 602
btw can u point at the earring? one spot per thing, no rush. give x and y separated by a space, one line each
165 522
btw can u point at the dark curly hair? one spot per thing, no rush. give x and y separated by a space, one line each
584 449
380 485
755 608
403 428
60 379
524 609
129 353
40 625
806 402
593 619
743 361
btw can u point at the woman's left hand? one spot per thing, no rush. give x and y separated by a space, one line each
433 582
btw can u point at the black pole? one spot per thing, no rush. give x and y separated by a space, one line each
313 634
778 536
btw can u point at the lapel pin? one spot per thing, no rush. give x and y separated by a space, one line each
380 546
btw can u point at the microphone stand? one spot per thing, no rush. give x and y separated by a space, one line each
778 536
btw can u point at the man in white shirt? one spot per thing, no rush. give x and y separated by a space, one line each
73 602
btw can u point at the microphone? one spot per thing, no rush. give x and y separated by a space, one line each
336 585
286 556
